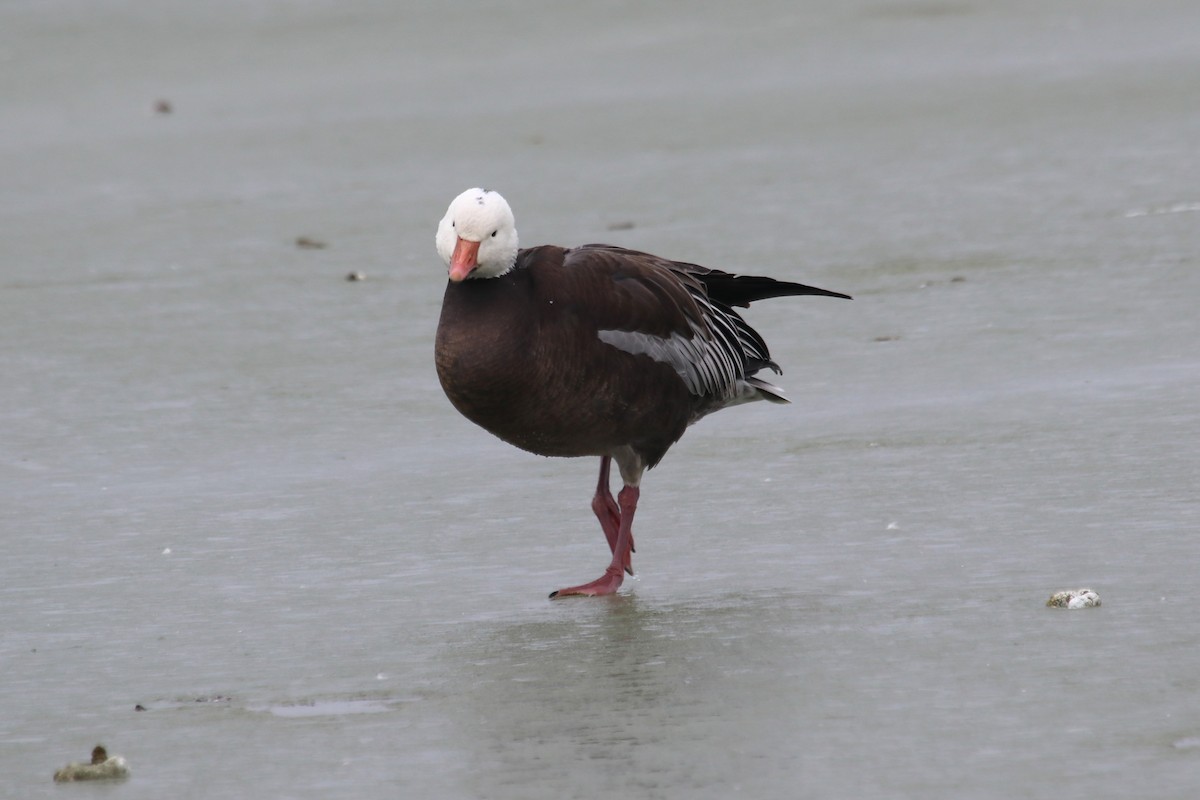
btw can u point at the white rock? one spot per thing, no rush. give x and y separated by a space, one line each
102 768
1074 598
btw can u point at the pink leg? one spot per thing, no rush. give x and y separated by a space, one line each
604 506
611 580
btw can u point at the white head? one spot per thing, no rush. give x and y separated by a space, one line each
478 236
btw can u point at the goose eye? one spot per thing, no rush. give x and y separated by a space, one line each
495 232
451 223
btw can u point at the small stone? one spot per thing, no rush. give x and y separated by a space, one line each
356 276
162 107
621 226
305 243
1074 598
102 768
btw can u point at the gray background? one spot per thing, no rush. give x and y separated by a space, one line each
232 491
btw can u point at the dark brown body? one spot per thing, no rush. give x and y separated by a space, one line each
520 356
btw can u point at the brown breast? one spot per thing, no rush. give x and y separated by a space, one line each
520 355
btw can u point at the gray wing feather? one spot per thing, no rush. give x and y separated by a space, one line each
714 361
716 356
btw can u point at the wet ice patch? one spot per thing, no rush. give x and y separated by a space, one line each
327 708
1175 208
